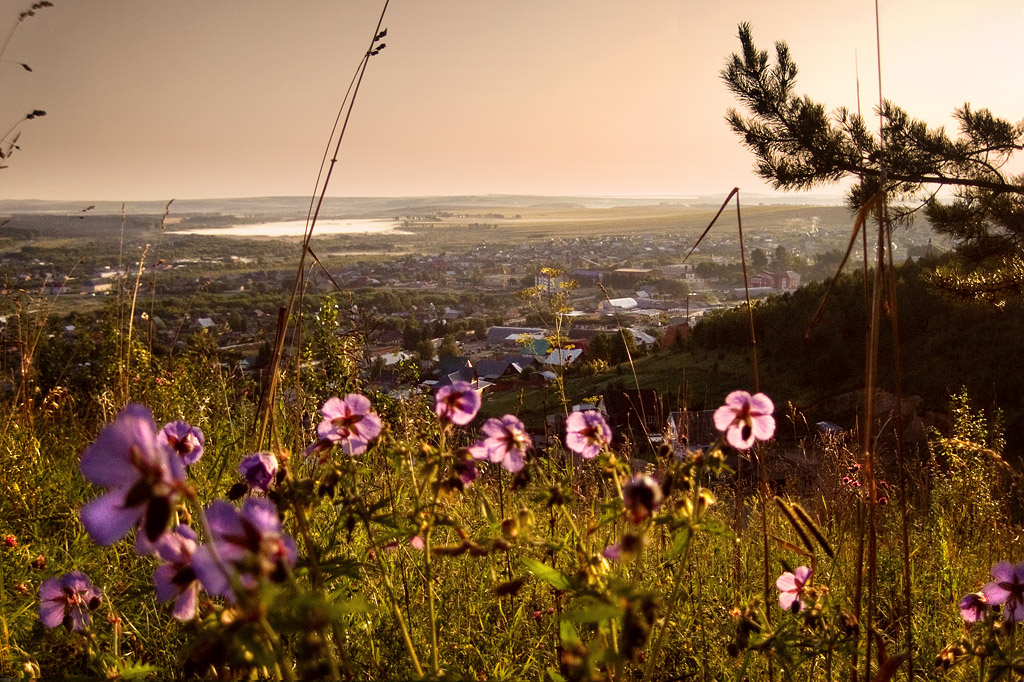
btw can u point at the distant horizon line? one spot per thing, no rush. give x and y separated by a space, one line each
794 196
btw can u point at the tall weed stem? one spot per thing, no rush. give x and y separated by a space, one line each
390 590
673 603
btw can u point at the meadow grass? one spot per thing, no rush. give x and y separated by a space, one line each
519 584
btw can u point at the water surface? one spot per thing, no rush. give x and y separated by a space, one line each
296 228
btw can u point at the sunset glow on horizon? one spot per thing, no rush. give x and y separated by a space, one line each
151 100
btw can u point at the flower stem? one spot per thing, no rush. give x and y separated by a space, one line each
430 603
318 584
673 601
394 603
284 671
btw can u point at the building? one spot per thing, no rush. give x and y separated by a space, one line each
779 281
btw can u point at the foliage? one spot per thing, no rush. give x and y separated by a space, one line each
799 145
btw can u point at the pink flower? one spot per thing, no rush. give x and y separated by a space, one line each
973 607
791 587
1007 590
259 470
457 403
176 579
506 443
586 433
142 474
67 601
184 439
349 423
745 418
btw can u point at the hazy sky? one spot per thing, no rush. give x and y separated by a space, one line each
158 99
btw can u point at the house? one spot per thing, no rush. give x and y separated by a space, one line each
495 370
535 346
548 282
634 415
690 428
612 304
779 281
510 336
96 286
562 357
675 333
638 273
642 339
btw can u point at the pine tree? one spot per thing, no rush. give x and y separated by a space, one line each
799 145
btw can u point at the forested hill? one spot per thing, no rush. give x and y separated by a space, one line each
945 346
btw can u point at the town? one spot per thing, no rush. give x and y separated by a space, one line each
453 294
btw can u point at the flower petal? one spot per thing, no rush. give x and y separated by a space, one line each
357 403
513 460
51 589
763 427
786 582
262 513
185 604
994 594
51 612
734 436
107 520
738 400
724 417
802 573
333 408
761 404
163 580
108 461
208 571
1002 572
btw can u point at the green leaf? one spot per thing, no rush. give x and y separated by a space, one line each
594 612
568 632
136 670
679 542
551 576
555 675
488 510
356 604
718 528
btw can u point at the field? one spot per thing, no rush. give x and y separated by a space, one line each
399 537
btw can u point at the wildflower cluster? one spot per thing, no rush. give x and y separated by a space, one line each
237 550
991 616
851 483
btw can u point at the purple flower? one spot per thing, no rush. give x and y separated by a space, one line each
586 433
1007 589
259 470
349 422
745 418
641 497
506 443
612 552
973 607
67 601
142 474
177 579
457 403
464 467
184 439
791 587
249 541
